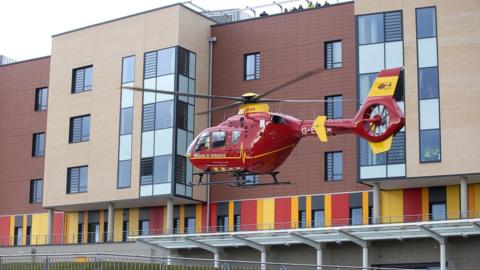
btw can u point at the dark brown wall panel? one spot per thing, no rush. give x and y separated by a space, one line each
18 123
289 45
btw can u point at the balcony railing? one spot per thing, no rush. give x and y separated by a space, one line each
92 237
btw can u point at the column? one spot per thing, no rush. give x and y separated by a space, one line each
319 259
110 222
50 226
376 203
169 228
263 260
365 264
463 197
443 257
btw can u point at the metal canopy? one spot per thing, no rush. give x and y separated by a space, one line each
399 231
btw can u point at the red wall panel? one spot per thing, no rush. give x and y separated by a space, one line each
156 220
204 217
58 228
282 213
412 204
213 217
4 230
340 209
248 212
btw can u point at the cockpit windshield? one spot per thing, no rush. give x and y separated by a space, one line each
203 141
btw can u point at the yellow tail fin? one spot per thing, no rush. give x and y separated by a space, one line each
319 127
380 147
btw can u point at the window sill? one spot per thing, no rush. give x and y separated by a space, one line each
73 193
78 142
333 68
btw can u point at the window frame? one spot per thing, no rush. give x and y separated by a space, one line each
332 99
70 133
38 97
69 171
326 56
256 66
35 151
351 215
33 199
223 141
333 166
74 77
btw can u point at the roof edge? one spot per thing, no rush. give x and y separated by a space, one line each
26 60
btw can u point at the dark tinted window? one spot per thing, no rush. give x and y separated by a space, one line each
252 66
428 82
82 79
222 223
426 23
41 95
164 115
181 169
36 191
124 172
79 129
38 145
302 219
430 145
218 138
126 116
77 179
162 169
146 171
334 107
182 115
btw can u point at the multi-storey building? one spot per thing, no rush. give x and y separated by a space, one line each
115 163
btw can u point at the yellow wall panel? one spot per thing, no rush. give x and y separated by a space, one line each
477 200
38 229
12 229
182 219
85 227
391 206
471 201
198 217
231 215
117 224
260 214
453 202
133 218
165 219
308 210
71 226
24 230
365 207
294 212
269 213
425 205
328 210
102 225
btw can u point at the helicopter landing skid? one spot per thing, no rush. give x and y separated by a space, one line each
240 180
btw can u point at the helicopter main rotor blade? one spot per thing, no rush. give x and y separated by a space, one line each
299 78
299 100
234 104
183 94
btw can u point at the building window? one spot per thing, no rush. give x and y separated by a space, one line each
237 223
144 226
105 231
28 241
38 145
334 107
190 225
176 225
80 233
77 179
318 218
333 166
252 179
82 79
438 211
222 223
252 66
93 233
125 228
370 29
333 54
356 216
302 219
36 190
18 236
41 95
79 129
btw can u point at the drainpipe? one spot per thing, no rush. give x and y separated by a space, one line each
211 40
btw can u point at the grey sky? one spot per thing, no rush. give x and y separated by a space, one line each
26 26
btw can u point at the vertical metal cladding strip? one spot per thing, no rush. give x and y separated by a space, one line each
294 212
58 227
182 218
308 210
24 230
213 217
385 207
412 204
4 230
453 202
425 204
477 200
133 219
72 227
198 217
340 209
204 218
102 225
328 210
269 213
260 214
118 225
248 214
12 229
365 207
282 213
471 201
156 219
43 227
85 227
231 215
396 205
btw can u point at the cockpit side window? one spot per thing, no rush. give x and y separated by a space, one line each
235 136
218 138
203 141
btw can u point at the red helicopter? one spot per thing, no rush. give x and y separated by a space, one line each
256 141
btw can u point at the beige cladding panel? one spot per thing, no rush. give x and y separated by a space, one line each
104 46
459 57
